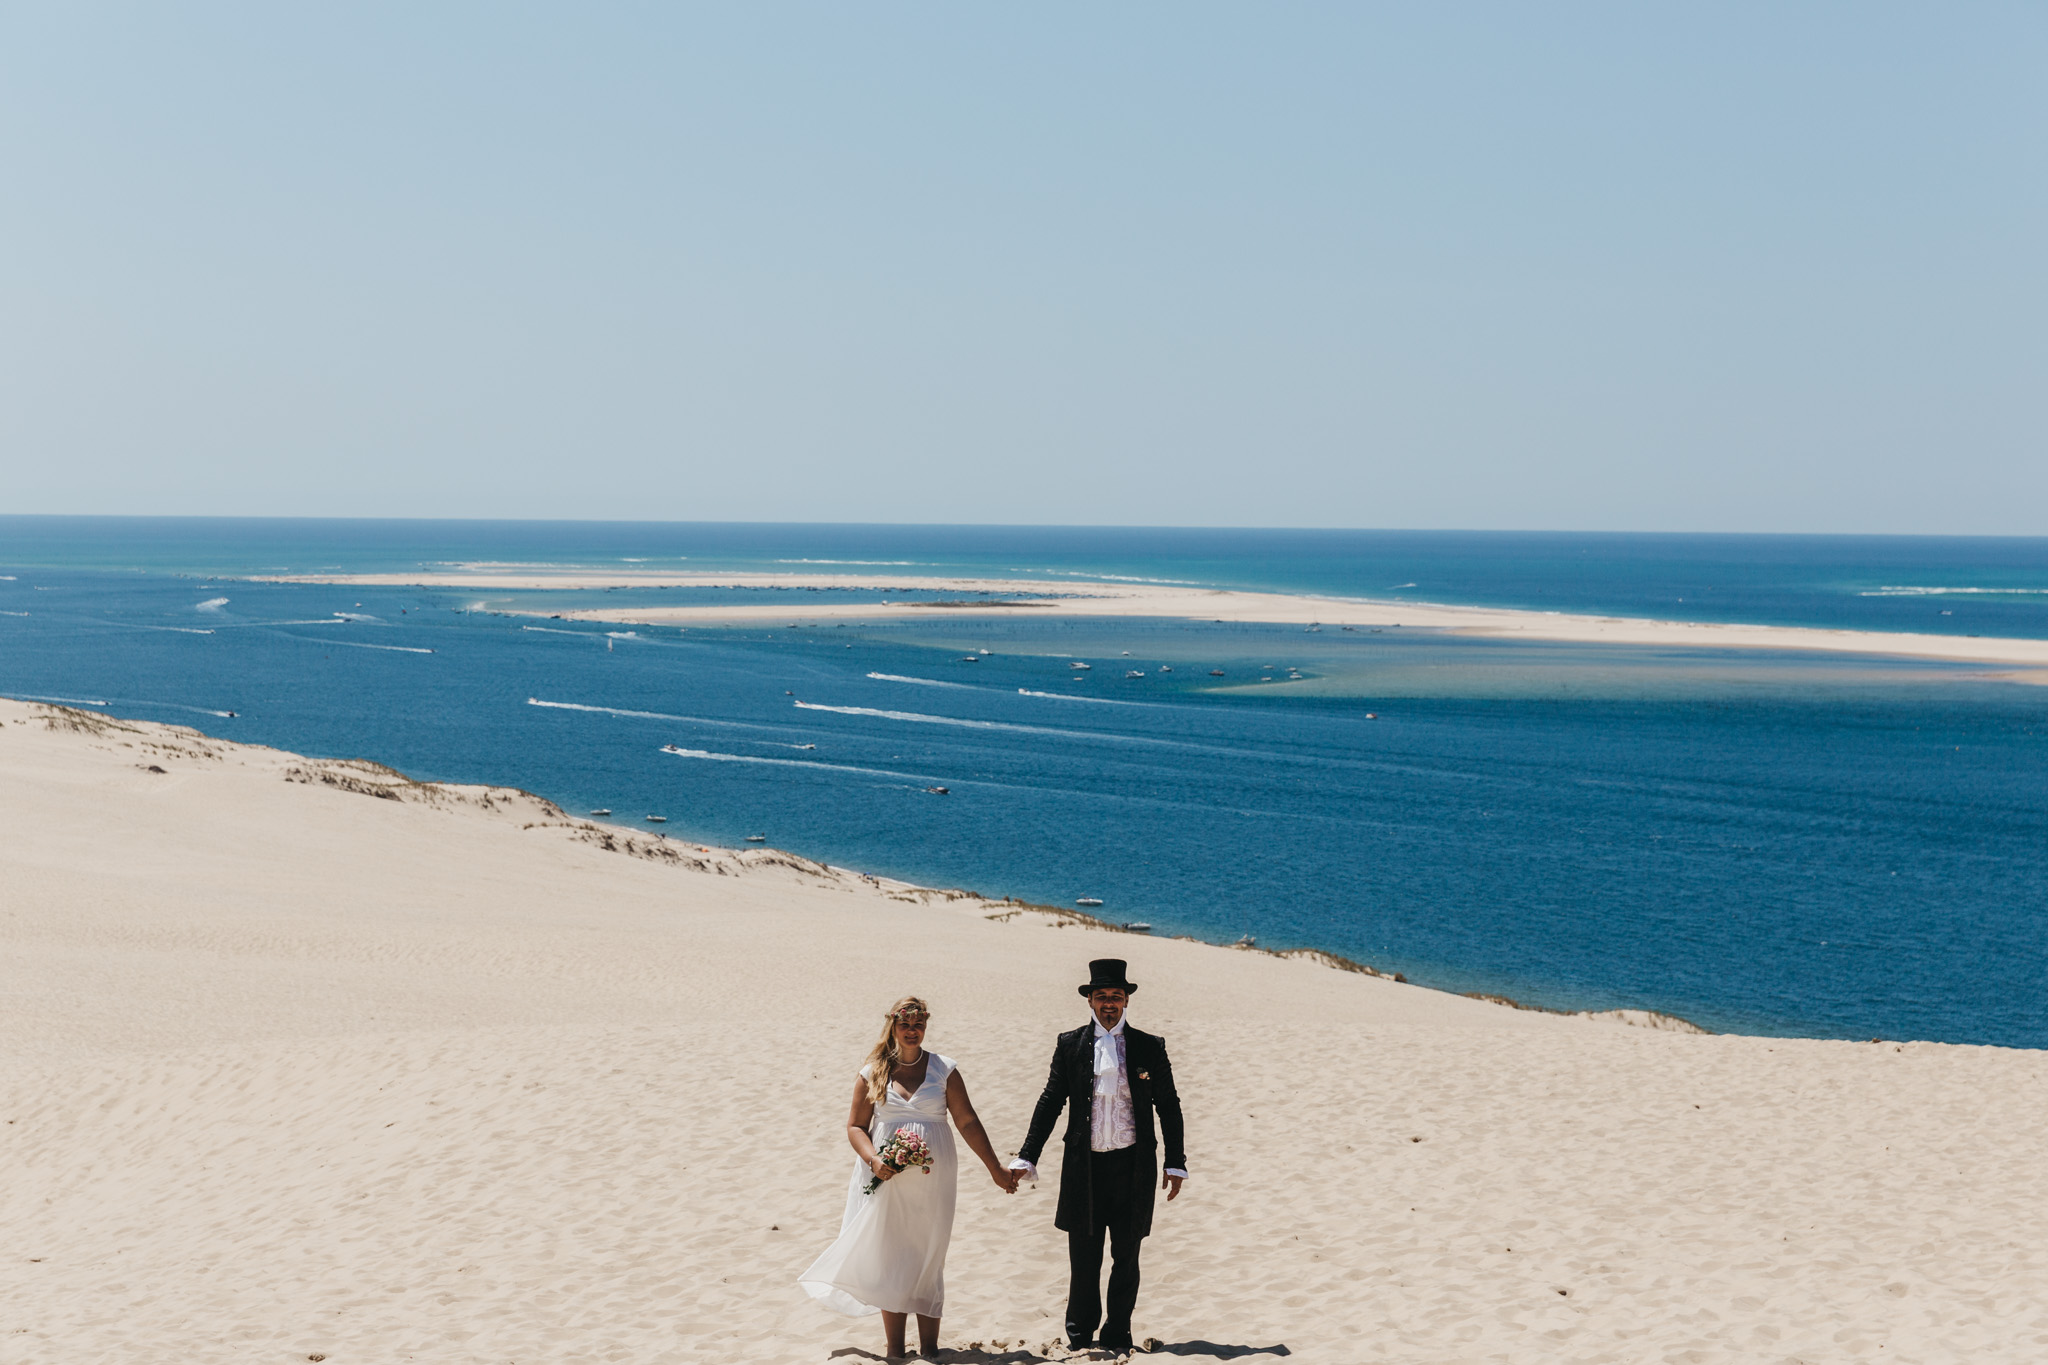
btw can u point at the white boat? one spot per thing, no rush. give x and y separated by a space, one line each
757 838
602 810
1138 926
1215 672
1165 669
1135 673
657 819
1089 900
1080 666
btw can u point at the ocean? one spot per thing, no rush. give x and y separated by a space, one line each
1842 846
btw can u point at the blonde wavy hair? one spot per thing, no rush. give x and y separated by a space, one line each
882 1057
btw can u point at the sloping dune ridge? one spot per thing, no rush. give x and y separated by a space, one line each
306 1060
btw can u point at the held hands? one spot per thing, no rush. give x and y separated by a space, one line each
1006 1181
1171 1184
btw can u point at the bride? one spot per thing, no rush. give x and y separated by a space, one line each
891 1253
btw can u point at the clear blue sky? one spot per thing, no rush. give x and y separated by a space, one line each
1735 267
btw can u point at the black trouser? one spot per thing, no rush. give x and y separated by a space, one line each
1119 1187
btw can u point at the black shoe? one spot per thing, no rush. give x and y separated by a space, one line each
1115 1346
1080 1343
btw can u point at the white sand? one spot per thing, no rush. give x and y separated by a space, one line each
296 1071
830 597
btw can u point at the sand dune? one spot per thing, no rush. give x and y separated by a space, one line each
827 597
306 1060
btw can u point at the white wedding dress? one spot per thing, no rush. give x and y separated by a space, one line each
891 1252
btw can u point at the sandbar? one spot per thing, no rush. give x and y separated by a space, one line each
815 597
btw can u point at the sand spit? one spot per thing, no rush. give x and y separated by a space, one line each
305 1059
827 598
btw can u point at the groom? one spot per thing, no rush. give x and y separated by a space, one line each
1109 1077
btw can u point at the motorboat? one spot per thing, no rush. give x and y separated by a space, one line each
1163 668
757 838
970 659
1138 926
1215 672
1079 665
602 810
1135 673
657 819
938 791
803 746
1089 900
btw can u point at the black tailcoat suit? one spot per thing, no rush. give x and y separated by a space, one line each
1109 1192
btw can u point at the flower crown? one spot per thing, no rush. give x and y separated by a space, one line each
910 1014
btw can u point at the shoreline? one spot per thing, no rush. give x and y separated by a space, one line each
371 777
374 1069
1106 600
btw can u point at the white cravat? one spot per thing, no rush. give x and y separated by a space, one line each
1111 1127
1108 1058
1111 1122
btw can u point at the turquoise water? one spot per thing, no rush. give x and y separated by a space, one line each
1773 843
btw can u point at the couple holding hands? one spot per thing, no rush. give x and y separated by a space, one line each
891 1253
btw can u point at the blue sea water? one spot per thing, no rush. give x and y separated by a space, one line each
1841 846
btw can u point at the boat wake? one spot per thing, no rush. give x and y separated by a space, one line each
924 682
358 644
919 718
1072 696
649 715
1954 592
138 625
126 701
707 755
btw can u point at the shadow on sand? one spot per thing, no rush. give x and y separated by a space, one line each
962 1355
976 1354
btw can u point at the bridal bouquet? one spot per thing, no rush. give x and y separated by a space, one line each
905 1148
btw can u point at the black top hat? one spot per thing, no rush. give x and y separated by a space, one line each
1105 973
